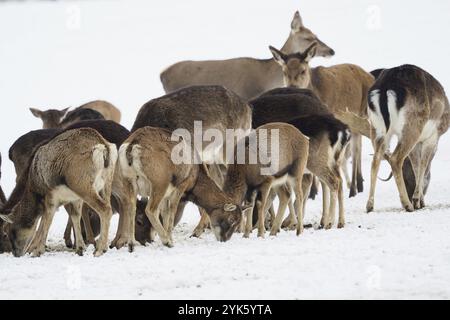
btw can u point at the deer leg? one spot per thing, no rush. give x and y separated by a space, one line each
379 145
325 204
332 211
396 161
37 247
359 177
204 221
75 213
68 234
284 197
340 194
347 155
153 212
428 150
262 207
354 146
90 238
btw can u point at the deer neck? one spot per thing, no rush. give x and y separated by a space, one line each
207 194
28 209
290 45
235 183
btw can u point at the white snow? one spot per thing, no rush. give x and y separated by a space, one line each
115 50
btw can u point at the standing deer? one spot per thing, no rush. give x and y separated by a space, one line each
411 104
328 140
146 162
53 118
248 77
76 166
340 87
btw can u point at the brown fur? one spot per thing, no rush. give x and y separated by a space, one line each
145 161
417 97
248 77
71 162
341 87
52 118
244 179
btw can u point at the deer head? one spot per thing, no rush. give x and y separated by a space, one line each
51 118
225 220
301 38
295 66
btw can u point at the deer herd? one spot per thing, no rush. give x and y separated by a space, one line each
87 162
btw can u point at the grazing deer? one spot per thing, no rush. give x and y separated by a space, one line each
243 181
22 150
328 140
340 87
248 77
411 104
76 166
146 162
53 118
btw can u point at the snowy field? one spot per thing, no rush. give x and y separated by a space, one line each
65 53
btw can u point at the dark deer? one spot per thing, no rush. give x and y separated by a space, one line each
328 141
411 104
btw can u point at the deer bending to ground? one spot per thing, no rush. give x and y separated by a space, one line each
411 104
248 77
340 87
245 181
328 136
146 162
22 150
74 167
53 118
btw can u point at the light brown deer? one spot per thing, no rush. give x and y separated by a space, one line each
411 104
340 87
77 167
287 166
146 162
53 118
248 77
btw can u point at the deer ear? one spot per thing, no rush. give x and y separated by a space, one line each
297 22
310 52
279 56
229 207
36 112
5 218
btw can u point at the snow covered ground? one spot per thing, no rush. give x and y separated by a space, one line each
65 53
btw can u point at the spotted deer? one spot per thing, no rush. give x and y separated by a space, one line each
54 118
411 104
340 87
248 77
76 166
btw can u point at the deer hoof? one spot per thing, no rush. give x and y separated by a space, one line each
352 192
69 243
369 207
341 225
